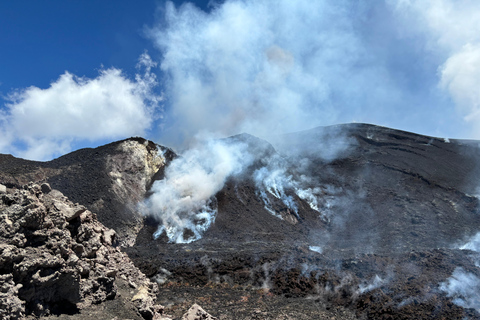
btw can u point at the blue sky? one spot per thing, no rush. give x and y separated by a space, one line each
42 39
83 73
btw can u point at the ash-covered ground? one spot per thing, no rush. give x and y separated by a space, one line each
344 222
358 217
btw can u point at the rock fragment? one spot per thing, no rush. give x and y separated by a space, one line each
197 313
11 307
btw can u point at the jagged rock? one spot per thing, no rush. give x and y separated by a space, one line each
109 180
197 313
69 212
11 307
144 302
54 252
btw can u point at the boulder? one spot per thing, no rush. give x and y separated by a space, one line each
197 313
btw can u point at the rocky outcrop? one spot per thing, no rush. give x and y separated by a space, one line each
56 257
108 180
132 171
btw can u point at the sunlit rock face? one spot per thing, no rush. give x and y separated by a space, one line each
109 180
131 170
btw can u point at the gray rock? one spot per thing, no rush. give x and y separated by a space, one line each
3 189
69 212
11 307
197 313
70 263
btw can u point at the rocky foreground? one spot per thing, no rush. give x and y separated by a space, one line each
57 258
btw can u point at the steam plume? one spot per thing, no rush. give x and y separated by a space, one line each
184 201
273 66
464 288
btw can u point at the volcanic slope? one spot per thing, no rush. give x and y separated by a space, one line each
352 216
379 191
376 214
389 190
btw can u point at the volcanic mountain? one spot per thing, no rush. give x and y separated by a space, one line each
349 221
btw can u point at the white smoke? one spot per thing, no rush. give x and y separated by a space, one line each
326 143
464 288
373 284
316 249
275 181
473 244
267 66
184 201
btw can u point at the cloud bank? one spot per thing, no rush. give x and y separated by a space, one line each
42 123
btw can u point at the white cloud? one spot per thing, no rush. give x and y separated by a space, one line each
449 24
452 31
48 121
460 75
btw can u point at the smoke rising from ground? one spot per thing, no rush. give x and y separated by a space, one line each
473 244
269 67
464 288
373 284
184 201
